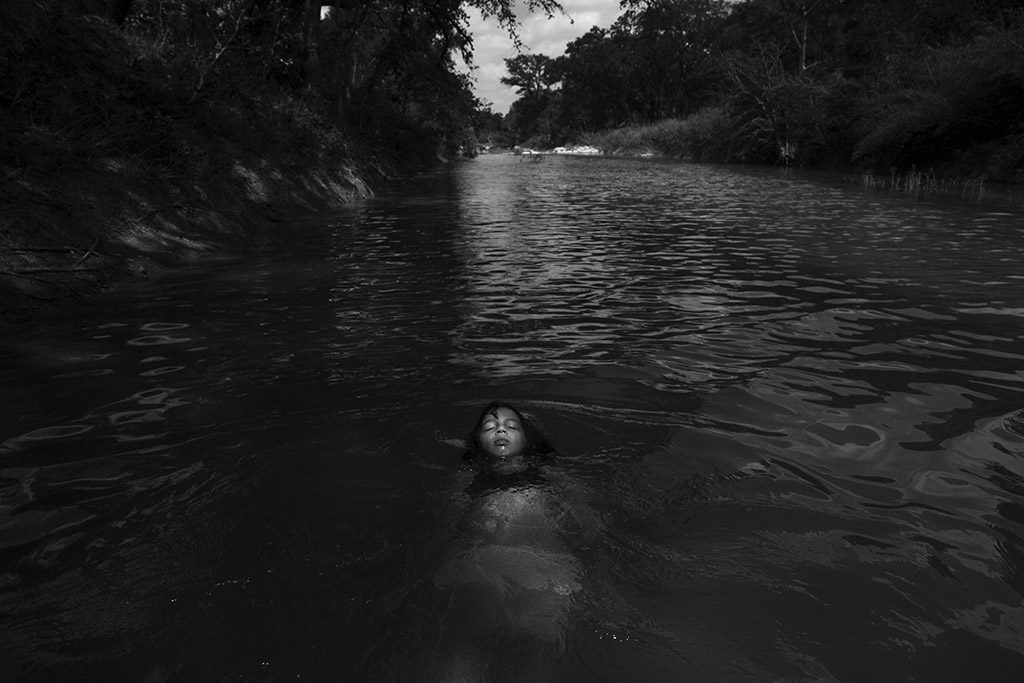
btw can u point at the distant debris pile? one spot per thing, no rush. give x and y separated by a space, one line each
579 149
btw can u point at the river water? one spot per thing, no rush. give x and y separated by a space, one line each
790 410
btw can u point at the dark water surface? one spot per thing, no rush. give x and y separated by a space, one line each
795 410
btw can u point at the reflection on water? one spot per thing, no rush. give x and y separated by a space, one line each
793 405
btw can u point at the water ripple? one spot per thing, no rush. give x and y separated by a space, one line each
791 406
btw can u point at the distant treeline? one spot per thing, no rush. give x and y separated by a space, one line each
888 85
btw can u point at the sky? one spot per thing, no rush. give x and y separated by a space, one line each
491 44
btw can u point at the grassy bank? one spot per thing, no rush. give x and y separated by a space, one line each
695 138
934 109
990 171
111 166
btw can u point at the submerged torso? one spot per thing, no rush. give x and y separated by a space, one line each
518 516
513 535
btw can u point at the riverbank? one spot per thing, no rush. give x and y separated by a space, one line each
873 88
114 165
709 135
72 231
992 171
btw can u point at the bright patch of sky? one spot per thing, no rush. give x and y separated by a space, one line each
491 44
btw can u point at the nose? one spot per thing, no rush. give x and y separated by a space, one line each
501 430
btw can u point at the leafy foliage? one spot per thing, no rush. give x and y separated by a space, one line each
776 115
530 74
886 84
381 71
954 99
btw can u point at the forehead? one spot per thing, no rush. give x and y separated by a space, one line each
502 414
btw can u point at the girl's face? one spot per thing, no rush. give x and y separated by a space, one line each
501 434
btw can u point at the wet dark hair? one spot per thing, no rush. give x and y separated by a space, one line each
537 445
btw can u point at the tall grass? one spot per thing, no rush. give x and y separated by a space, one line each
697 137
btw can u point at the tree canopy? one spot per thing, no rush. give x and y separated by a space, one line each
877 83
382 69
873 82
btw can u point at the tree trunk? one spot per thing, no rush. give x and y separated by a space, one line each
797 18
803 44
309 42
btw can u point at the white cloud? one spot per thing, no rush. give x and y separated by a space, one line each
538 35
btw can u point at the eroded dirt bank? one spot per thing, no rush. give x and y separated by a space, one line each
65 235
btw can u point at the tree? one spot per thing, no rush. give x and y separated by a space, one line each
594 76
529 74
672 43
797 14
384 69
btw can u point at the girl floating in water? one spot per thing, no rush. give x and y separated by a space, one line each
511 580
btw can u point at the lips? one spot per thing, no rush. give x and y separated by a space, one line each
501 442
